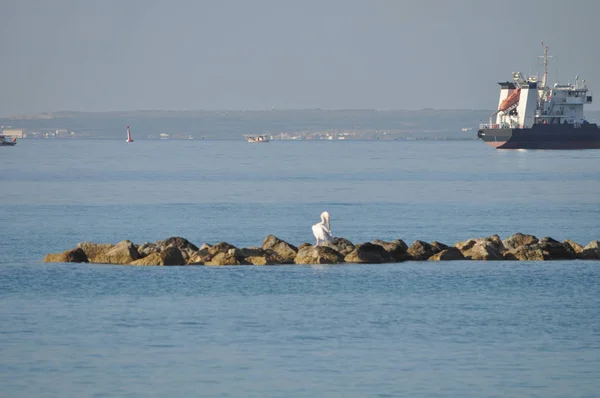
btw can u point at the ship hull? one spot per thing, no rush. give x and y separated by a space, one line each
543 136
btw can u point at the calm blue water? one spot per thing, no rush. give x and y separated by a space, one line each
467 329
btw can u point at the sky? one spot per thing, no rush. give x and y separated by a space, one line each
124 55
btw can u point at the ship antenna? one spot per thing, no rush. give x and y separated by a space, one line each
545 76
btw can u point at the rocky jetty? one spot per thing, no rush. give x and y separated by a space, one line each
274 251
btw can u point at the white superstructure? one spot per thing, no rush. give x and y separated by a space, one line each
526 101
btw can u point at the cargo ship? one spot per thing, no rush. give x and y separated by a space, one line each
533 115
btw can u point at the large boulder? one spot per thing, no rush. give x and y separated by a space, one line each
178 242
439 245
318 255
173 256
168 256
269 258
223 259
76 255
257 256
200 257
490 248
247 252
482 249
397 249
591 251
146 248
153 258
465 245
577 248
207 252
400 243
448 254
525 253
496 242
555 250
421 251
285 250
369 253
519 239
221 247
123 252
205 246
186 248
529 248
93 251
340 245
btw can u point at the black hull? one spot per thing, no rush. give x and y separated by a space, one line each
544 136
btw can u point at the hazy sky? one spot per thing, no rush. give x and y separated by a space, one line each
255 54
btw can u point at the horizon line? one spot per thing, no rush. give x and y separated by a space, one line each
66 112
62 112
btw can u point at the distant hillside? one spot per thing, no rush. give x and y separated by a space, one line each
231 125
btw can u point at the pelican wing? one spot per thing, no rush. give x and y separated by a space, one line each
328 235
321 232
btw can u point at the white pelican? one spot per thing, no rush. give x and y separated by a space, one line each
322 230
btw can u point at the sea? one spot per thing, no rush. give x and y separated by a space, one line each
413 329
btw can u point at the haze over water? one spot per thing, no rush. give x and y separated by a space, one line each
450 329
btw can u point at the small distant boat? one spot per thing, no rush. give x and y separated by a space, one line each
257 138
129 139
5 141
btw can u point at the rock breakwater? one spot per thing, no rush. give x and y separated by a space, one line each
274 251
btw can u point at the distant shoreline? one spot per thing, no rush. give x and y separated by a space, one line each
243 140
200 112
316 124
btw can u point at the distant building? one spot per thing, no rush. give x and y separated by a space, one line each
62 133
16 133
